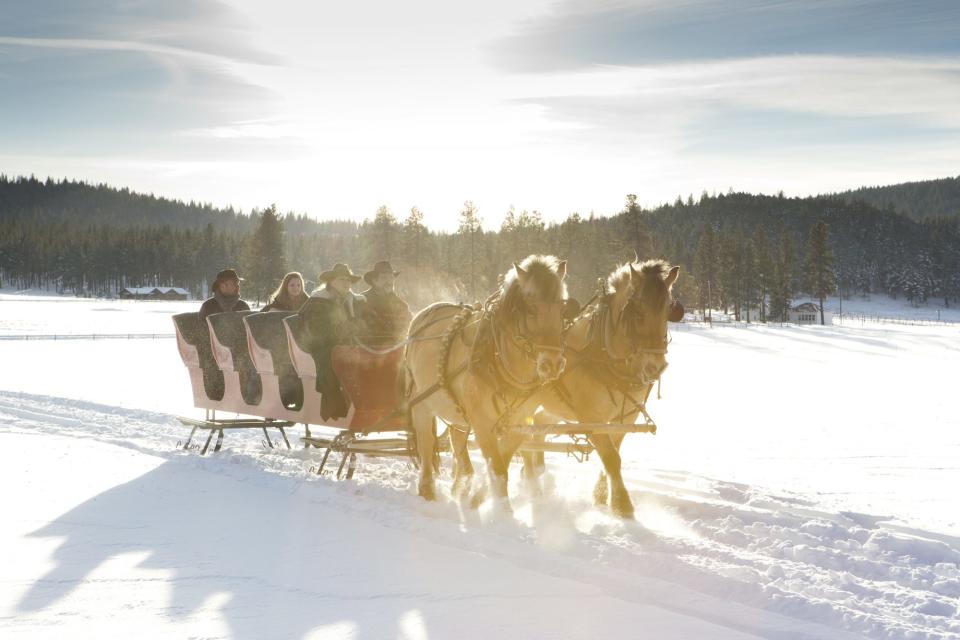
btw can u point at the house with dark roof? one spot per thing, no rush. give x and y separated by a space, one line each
809 313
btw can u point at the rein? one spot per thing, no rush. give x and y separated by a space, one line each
509 390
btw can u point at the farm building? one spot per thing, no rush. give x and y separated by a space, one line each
154 293
809 313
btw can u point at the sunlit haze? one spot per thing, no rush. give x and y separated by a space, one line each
334 109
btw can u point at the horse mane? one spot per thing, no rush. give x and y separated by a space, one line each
542 273
652 271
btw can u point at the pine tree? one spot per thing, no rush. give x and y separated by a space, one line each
415 237
529 231
641 242
818 264
764 264
265 263
469 232
729 271
788 262
573 245
781 294
750 277
705 265
380 236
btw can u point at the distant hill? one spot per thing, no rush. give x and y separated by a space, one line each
919 200
734 248
71 202
67 201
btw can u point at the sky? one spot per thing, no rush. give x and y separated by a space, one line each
336 108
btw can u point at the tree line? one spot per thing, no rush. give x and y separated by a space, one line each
750 255
919 200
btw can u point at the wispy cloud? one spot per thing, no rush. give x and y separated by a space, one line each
82 44
103 76
555 105
924 93
197 26
583 33
742 76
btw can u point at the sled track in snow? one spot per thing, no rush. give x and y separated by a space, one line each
709 549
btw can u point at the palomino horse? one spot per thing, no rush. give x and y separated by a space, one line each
487 362
616 351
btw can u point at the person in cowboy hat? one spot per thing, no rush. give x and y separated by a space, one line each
385 315
330 317
226 296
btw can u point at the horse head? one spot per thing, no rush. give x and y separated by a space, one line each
641 304
532 309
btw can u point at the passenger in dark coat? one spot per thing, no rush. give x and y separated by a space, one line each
289 296
327 319
385 316
226 296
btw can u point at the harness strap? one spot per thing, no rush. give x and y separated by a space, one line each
503 372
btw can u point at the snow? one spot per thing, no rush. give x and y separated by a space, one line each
802 485
882 306
49 315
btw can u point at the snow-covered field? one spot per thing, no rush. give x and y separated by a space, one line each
802 485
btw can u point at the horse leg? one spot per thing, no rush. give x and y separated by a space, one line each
620 502
601 492
463 466
534 463
618 439
424 426
507 447
495 463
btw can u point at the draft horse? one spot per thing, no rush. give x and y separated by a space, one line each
488 361
616 350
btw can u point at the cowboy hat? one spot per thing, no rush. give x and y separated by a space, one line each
382 266
224 276
339 270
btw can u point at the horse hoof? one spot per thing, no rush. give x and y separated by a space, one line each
622 507
625 513
428 493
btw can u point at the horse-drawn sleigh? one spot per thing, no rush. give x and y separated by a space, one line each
521 373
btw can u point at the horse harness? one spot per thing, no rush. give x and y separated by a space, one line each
487 360
614 373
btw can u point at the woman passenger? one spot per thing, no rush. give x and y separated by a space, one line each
289 296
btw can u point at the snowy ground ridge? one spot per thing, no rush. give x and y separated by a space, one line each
736 548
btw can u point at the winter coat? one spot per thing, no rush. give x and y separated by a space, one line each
327 320
385 318
219 304
294 306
